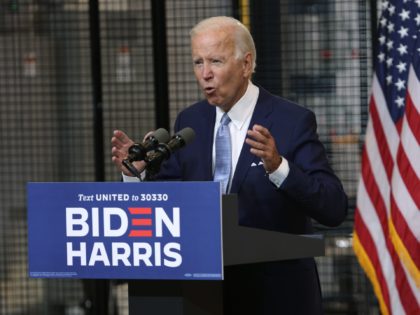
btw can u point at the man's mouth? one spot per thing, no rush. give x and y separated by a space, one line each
209 90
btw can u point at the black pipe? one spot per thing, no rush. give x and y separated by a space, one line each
374 26
364 106
95 54
236 12
96 292
265 28
160 64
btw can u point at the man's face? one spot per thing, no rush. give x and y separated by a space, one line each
222 77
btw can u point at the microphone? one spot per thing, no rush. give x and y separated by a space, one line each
164 150
138 151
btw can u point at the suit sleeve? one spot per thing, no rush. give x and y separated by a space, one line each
311 181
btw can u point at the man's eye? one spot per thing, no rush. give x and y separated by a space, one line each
197 62
216 61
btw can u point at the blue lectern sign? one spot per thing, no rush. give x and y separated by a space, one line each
165 230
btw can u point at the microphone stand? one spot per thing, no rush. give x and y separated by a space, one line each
151 169
132 169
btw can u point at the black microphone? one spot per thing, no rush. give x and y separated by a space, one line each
164 150
138 151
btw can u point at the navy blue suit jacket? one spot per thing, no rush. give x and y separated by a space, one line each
311 190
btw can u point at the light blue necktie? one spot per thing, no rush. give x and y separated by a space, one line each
223 163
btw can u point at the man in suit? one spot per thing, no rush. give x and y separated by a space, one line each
277 166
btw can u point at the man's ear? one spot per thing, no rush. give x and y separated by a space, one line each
247 64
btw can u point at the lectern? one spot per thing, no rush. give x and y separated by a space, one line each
241 245
168 238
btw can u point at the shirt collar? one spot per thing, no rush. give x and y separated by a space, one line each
239 112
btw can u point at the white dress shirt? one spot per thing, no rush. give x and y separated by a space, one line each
240 115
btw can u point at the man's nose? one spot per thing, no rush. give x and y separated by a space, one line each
207 72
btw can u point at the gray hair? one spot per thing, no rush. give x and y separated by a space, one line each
244 42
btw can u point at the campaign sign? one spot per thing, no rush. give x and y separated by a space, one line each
149 230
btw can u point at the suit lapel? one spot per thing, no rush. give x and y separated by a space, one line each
261 117
209 118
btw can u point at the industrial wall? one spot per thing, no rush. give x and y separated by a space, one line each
73 71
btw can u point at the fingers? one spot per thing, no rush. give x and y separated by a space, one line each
260 140
117 157
261 132
120 139
118 153
263 145
120 144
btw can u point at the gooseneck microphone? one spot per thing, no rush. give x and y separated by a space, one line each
157 148
138 151
164 150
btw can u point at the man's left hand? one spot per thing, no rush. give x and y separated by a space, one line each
263 145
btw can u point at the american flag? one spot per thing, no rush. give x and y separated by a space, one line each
387 218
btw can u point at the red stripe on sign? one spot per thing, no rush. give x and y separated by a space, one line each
140 210
140 233
141 221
